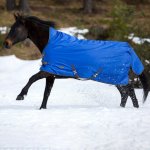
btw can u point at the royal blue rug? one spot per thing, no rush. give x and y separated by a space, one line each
102 61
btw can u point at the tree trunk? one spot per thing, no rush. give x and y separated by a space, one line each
88 6
24 6
10 4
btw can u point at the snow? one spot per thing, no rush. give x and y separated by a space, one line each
147 61
138 40
75 31
3 30
81 115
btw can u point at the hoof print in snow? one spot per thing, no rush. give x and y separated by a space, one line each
20 97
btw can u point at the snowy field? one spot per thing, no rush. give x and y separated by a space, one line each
81 115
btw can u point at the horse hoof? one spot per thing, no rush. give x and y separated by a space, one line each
43 107
122 105
19 97
136 106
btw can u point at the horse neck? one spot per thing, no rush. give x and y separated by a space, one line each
38 34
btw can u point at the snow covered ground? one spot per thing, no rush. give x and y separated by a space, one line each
81 115
138 40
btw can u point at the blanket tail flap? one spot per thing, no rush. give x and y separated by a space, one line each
137 65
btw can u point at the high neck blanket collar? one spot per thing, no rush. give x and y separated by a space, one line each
103 61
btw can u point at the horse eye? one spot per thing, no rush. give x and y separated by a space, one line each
16 29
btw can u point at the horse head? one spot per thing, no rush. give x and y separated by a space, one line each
18 31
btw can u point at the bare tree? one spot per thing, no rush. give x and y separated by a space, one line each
24 6
10 4
88 6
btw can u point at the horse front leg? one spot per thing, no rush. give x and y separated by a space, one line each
48 87
33 79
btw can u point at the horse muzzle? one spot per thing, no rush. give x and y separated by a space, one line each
7 43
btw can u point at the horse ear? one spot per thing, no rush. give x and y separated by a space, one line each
18 15
15 16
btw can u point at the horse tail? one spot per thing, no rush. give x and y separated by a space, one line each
145 85
138 69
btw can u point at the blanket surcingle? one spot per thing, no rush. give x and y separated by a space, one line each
103 61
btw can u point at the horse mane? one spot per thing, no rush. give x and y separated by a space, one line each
37 20
21 16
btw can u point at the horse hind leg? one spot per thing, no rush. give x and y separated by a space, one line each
124 94
132 95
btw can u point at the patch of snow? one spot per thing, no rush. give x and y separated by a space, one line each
3 30
81 115
147 61
138 40
75 32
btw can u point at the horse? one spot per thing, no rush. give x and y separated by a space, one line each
37 31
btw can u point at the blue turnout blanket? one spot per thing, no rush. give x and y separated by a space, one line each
103 61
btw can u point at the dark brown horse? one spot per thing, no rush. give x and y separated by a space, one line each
38 32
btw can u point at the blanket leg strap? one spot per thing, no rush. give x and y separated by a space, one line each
75 72
85 79
96 74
